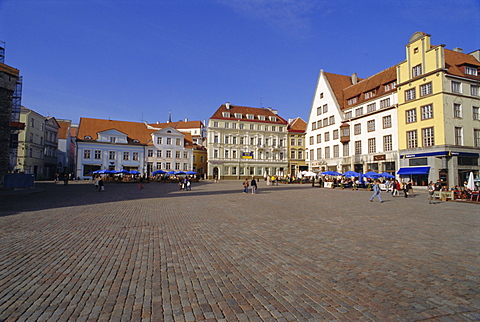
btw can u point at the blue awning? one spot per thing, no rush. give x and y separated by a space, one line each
413 170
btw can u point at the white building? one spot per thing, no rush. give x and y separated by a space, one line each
352 123
246 141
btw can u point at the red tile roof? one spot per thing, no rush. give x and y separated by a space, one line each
454 60
297 125
338 83
244 110
63 130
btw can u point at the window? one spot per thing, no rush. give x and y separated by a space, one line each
327 152
314 126
319 153
178 141
238 115
177 154
427 112
371 126
159 140
242 126
410 94
456 87
352 101
227 139
168 154
126 155
135 156
149 153
169 141
458 136
98 155
348 115
215 138
261 117
300 154
476 113
411 115
159 153
300 142
319 138
111 155
387 143
215 124
274 128
319 124
227 125
215 153
457 110
371 107
417 70
359 111
357 128
168 166
234 154
272 118
113 139
358 147
177 165
387 121
425 89
336 151
321 95
412 141
158 165
335 135
225 114
476 138
331 120
86 154
252 127
292 141
325 122
471 70
319 110
428 138
311 140
226 154
372 147
327 136
346 149
32 122
250 116
325 108
474 90
292 154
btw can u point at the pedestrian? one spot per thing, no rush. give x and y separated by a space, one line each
410 189
95 182
405 190
376 191
253 183
188 184
431 192
101 187
394 188
140 183
245 185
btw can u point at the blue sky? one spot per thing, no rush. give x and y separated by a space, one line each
138 60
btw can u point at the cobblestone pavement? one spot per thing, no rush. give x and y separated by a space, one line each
287 253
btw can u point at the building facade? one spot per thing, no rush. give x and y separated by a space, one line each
296 146
66 146
246 141
50 157
121 145
438 112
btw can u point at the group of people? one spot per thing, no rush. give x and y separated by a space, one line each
395 186
252 184
185 184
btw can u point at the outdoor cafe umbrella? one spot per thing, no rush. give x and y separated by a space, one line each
330 173
121 171
191 172
133 172
158 172
351 173
372 175
179 172
387 175
471 182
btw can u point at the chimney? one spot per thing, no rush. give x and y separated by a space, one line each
227 105
458 49
354 78
186 120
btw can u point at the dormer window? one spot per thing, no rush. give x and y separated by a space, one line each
469 70
238 115
250 116
87 137
272 118
261 117
226 114
369 94
135 141
352 100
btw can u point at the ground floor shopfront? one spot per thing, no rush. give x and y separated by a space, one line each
227 170
451 167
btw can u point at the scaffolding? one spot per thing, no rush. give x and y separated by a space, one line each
2 52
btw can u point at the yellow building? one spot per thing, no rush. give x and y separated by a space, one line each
438 112
296 146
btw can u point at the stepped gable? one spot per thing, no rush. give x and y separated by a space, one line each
368 84
244 110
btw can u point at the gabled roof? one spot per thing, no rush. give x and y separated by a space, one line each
370 83
454 59
244 110
338 83
63 130
135 131
297 125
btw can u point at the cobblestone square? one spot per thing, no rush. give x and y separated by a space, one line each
287 253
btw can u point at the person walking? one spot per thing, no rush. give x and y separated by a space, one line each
245 185
253 183
431 192
376 191
394 187
101 187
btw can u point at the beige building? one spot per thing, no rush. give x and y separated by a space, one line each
296 146
31 144
246 141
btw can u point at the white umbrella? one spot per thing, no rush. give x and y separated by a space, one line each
471 183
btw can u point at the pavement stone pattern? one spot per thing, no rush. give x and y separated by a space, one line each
288 253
